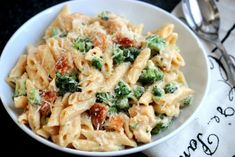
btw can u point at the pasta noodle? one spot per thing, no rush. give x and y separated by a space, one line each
97 83
139 64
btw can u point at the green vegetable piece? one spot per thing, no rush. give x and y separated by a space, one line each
104 15
156 43
162 123
122 103
186 101
20 88
97 63
113 109
122 89
170 88
130 54
157 129
138 91
63 34
66 83
83 44
118 56
151 74
134 126
103 97
157 91
56 32
34 97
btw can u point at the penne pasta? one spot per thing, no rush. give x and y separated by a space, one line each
97 83
137 67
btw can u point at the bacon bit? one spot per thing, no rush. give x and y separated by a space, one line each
45 109
100 40
49 96
124 41
116 123
49 79
98 114
62 64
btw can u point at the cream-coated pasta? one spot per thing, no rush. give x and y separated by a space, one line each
139 64
19 68
97 83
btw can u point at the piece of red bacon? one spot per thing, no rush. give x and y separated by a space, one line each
48 97
124 41
98 114
62 64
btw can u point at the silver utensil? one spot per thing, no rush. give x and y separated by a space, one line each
203 18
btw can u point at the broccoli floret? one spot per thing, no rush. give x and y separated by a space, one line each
156 130
186 101
113 109
83 44
151 74
170 87
120 100
97 63
162 123
56 32
138 91
122 103
130 53
121 55
103 97
122 89
157 91
156 43
34 97
135 126
66 83
104 15
118 55
20 88
148 76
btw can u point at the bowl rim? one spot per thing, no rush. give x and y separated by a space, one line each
125 151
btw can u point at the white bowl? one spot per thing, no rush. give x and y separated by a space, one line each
196 69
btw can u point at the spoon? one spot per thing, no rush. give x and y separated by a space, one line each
202 16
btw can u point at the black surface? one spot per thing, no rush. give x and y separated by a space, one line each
13 13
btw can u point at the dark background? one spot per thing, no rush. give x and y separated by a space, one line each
13 13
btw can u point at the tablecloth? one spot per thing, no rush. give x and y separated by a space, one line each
212 132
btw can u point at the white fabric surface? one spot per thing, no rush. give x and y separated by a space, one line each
212 132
